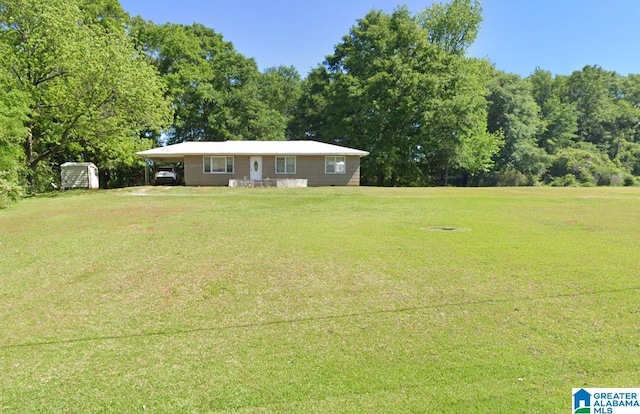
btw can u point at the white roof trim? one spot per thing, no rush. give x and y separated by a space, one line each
250 148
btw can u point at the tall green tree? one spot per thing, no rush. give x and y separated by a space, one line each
608 113
84 85
514 113
311 116
108 13
216 92
281 88
459 142
13 114
560 125
415 106
559 117
453 26
594 91
378 80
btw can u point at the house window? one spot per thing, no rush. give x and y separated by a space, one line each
335 165
285 165
218 165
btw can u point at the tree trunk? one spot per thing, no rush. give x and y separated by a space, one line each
465 179
445 176
28 149
380 178
394 179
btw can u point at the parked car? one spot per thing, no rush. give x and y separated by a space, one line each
166 176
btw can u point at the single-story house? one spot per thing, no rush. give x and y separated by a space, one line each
219 163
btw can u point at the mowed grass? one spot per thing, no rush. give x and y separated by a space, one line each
318 300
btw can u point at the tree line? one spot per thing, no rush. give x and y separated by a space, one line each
83 81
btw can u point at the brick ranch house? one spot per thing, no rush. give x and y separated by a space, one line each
222 163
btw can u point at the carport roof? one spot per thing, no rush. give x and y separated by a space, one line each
248 148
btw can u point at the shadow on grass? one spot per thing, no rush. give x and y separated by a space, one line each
63 193
311 319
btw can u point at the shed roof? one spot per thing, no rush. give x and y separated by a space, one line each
78 164
249 148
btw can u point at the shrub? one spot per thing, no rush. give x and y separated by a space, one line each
10 190
510 177
568 180
586 165
45 174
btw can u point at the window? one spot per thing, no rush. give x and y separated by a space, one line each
285 165
218 165
334 165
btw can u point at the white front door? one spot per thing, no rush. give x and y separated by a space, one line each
255 163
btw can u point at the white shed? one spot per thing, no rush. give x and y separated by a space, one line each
79 175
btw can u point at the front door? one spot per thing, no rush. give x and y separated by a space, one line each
255 163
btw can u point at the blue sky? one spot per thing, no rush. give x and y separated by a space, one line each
516 35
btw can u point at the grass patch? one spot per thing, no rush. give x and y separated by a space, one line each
318 299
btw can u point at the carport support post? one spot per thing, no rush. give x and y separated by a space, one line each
146 171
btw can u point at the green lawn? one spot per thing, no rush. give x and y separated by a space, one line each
318 300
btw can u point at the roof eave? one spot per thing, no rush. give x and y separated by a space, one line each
248 154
